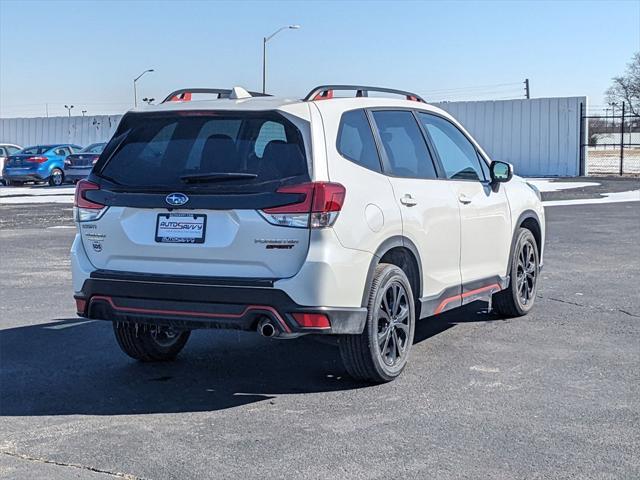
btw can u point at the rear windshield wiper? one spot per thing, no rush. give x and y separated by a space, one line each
216 177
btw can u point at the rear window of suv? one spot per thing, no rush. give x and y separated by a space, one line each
172 149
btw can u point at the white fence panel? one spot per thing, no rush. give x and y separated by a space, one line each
79 130
540 137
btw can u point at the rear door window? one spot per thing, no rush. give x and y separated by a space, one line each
262 148
404 144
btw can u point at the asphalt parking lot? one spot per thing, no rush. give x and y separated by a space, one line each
555 394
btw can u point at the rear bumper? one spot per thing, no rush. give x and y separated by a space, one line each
24 176
71 173
197 302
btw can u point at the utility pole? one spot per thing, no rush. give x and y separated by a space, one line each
527 93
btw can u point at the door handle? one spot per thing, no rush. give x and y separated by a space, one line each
464 199
408 200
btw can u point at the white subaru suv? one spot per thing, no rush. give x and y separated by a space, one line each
353 216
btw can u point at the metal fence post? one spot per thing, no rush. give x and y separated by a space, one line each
622 142
581 161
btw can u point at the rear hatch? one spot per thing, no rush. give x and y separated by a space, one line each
185 194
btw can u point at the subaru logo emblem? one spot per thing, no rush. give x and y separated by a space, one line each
177 199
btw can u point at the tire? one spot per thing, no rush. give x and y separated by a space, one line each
380 353
149 343
518 298
56 178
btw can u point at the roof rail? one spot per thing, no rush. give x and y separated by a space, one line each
325 92
184 94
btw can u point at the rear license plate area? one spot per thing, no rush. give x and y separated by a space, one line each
181 228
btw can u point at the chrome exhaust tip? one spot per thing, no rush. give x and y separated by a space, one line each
267 328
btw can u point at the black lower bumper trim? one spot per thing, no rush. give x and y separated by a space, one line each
192 305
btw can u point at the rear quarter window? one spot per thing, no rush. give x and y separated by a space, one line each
355 140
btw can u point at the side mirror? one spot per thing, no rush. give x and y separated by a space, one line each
500 172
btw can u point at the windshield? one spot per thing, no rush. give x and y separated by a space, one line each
93 148
36 150
176 149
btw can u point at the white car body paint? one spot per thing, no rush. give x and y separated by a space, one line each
457 243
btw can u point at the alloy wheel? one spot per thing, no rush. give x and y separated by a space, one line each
393 324
164 336
527 273
57 177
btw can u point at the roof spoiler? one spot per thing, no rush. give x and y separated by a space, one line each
325 92
184 94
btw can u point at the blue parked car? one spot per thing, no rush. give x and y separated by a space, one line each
42 163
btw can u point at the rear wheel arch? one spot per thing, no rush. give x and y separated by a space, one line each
403 253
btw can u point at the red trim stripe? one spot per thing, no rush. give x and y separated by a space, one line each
247 309
470 293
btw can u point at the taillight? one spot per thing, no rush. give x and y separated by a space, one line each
86 210
36 159
317 207
95 159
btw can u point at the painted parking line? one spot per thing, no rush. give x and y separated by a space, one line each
61 326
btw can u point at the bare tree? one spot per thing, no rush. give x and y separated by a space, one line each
626 88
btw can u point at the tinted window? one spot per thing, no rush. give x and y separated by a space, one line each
485 167
268 132
458 156
404 145
160 149
36 150
3 152
355 140
13 150
94 148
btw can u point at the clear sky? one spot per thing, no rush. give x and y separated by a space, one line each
87 53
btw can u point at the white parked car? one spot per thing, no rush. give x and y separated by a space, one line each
6 149
351 216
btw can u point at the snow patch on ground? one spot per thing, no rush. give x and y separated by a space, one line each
36 199
618 197
547 185
36 190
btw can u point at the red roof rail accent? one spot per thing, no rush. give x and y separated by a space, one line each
324 95
184 94
325 92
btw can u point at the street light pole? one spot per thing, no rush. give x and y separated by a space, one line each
69 107
135 93
264 53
